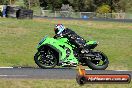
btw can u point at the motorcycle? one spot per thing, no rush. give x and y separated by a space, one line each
53 52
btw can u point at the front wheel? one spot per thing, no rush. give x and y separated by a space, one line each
46 58
100 62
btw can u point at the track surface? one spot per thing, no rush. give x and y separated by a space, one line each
58 73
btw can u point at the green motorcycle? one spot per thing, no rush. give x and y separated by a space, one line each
60 52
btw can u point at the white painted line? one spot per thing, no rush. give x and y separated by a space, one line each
16 67
13 75
6 67
121 70
85 69
111 70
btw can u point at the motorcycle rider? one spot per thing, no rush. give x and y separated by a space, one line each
61 31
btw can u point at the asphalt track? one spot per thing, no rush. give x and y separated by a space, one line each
87 19
57 73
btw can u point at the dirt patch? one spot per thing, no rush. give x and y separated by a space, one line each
130 27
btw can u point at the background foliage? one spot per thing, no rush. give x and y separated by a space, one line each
79 5
89 5
4 1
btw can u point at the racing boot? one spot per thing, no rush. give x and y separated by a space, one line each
70 64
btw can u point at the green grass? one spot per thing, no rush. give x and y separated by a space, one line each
19 2
19 38
32 83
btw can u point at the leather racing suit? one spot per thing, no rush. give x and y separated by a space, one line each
73 38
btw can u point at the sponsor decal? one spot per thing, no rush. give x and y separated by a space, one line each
83 78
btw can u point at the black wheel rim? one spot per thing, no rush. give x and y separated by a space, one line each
101 60
47 58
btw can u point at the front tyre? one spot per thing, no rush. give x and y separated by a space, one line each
93 63
46 58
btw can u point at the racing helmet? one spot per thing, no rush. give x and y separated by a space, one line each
59 28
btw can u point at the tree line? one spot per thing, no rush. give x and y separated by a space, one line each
80 5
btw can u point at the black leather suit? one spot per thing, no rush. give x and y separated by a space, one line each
73 38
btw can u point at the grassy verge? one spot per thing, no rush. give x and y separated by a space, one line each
18 39
28 83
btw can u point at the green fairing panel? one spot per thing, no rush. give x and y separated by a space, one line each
56 44
91 42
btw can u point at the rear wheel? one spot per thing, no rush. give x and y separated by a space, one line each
100 62
46 58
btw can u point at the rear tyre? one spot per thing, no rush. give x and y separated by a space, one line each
46 58
94 64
